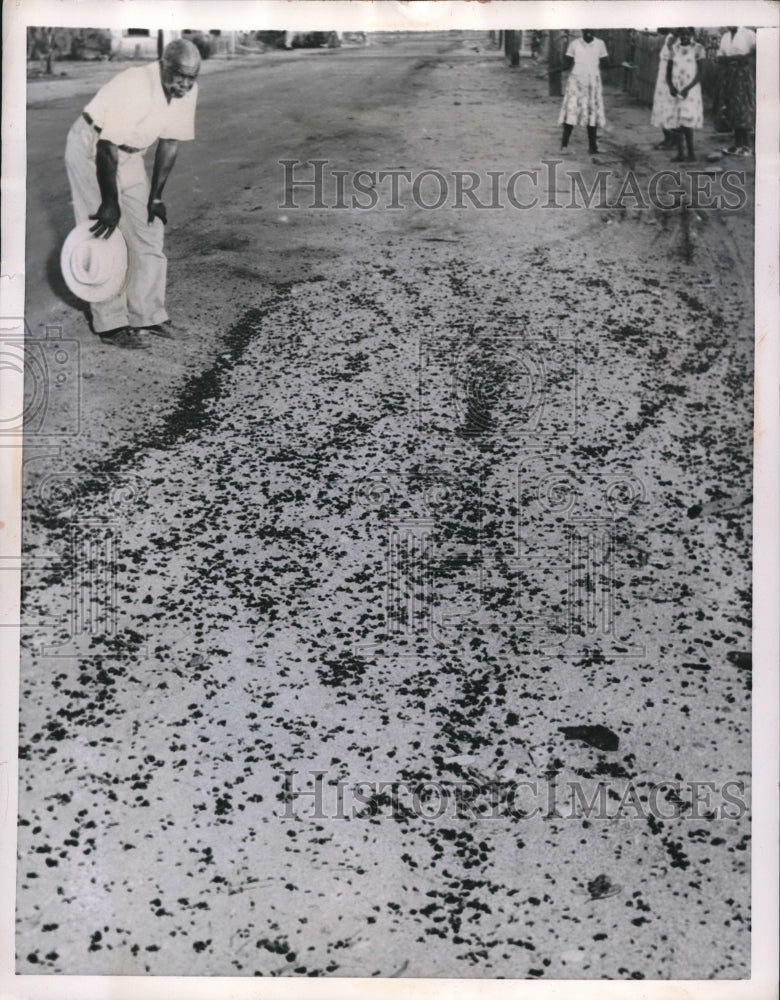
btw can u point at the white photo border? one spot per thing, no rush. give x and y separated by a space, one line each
392 15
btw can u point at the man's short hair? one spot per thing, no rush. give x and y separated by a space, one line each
181 53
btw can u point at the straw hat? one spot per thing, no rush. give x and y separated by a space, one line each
93 269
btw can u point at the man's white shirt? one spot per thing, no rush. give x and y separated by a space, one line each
742 43
131 109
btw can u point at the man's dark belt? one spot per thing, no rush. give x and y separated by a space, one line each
125 149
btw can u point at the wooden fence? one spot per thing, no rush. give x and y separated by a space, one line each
642 49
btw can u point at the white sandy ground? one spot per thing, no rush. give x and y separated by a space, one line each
493 383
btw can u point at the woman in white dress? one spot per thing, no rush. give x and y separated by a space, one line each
583 102
683 72
663 103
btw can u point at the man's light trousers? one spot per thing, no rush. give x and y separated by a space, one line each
142 300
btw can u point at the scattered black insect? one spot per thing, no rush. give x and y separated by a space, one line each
601 887
595 736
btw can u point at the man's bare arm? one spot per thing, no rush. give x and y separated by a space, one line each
108 214
164 159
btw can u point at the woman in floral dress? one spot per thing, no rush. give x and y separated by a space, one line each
683 72
583 102
663 103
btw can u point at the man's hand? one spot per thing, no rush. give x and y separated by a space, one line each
164 159
107 217
157 210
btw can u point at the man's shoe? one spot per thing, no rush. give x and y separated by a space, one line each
124 337
729 150
166 330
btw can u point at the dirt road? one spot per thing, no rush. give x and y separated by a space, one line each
431 503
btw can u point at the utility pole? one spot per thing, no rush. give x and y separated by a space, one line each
558 43
511 49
